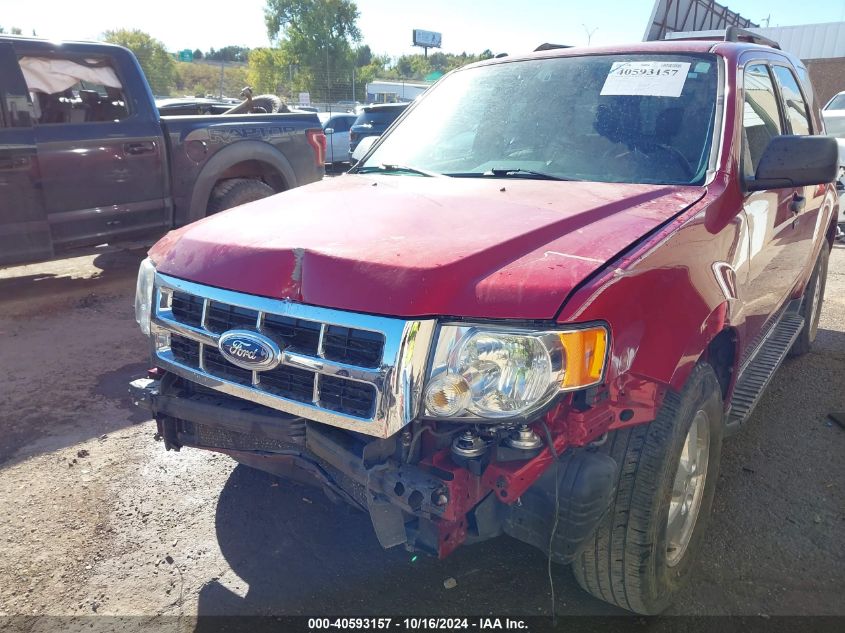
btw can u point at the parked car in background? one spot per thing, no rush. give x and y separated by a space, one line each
343 106
336 128
834 123
545 333
837 102
373 120
85 157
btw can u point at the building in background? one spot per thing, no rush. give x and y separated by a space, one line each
670 16
384 91
820 46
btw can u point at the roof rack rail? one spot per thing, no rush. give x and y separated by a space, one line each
736 34
730 34
547 46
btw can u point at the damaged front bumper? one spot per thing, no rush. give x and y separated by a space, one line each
433 504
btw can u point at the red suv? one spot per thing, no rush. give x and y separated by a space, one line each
539 316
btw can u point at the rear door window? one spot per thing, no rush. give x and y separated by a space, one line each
74 90
793 101
378 117
340 124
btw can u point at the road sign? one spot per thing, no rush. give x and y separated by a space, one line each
305 98
186 55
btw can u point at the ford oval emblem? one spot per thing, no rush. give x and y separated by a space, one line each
249 350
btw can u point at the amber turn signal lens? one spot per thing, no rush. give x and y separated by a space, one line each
585 353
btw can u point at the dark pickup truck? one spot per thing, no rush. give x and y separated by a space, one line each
85 157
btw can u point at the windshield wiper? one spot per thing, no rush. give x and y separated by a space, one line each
518 172
394 169
511 172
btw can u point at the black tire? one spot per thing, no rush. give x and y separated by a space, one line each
237 191
266 104
626 562
811 305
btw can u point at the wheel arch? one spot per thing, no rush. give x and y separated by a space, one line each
716 342
244 159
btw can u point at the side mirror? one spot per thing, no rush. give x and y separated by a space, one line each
363 147
329 130
796 161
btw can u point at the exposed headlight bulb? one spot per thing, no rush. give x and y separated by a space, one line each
447 395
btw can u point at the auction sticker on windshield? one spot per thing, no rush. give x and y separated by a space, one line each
649 79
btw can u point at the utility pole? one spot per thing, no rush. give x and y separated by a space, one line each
767 19
353 84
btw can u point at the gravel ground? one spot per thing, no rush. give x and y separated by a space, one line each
96 518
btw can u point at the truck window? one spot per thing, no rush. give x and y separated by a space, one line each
74 90
760 116
793 101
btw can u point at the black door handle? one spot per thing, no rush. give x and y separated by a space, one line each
135 149
797 204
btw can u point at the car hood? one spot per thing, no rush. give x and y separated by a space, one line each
413 246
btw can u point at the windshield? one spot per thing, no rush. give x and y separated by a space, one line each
835 126
609 118
837 103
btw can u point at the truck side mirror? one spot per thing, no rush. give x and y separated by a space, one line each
328 130
796 161
363 147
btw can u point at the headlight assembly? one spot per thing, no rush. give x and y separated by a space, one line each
491 372
144 295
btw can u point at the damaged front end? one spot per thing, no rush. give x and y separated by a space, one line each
444 432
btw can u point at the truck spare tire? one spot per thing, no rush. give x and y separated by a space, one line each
268 104
262 104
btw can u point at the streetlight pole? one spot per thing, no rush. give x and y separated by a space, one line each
589 33
222 75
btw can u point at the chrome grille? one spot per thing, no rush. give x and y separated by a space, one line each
351 370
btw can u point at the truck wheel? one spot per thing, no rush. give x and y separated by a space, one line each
811 305
644 548
237 191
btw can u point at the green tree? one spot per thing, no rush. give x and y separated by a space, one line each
363 56
156 62
197 54
199 78
419 66
376 69
269 71
317 36
229 54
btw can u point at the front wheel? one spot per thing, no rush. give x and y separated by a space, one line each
643 550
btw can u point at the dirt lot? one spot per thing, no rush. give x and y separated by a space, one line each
96 518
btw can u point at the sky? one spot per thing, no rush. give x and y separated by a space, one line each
510 26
